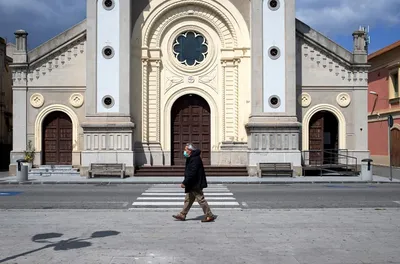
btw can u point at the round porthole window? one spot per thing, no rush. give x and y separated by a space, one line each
274 53
108 52
108 4
273 4
108 101
274 101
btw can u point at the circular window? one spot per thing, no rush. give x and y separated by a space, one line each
190 48
108 4
273 4
108 52
274 53
274 101
108 101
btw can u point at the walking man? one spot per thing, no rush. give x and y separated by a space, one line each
194 183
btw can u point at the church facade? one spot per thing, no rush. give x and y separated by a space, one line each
244 80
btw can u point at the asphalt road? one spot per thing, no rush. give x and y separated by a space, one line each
248 196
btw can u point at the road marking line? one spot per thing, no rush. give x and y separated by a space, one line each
182 198
398 202
245 204
180 203
125 204
177 190
183 194
179 209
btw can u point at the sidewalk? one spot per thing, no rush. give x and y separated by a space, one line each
65 179
299 236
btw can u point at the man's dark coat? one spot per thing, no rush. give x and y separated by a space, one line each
195 176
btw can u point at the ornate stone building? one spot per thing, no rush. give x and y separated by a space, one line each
5 106
136 80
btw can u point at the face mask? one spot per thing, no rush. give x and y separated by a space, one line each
185 154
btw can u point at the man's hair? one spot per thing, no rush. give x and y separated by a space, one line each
191 146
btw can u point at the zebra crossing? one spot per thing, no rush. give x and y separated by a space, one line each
171 197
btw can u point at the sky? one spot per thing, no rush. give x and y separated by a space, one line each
336 19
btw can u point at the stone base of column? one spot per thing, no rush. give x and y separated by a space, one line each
231 153
150 154
273 139
108 143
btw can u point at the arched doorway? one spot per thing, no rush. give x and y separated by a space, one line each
57 139
395 147
190 122
323 138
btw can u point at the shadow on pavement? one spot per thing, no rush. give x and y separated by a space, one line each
198 218
71 243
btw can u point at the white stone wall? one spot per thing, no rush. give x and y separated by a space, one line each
223 79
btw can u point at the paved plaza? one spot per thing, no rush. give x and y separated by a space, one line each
295 236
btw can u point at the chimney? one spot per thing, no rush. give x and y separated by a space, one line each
360 45
21 51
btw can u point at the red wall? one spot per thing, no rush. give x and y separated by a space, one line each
378 82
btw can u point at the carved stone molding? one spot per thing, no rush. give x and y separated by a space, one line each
37 100
305 100
210 79
57 59
343 99
76 100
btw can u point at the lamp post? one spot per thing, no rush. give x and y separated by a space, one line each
376 98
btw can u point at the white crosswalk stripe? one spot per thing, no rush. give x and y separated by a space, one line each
171 197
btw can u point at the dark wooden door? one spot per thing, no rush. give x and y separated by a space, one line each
57 139
395 147
316 139
190 123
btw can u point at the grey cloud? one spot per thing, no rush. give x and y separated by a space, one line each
341 17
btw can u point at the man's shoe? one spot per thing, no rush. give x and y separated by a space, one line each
208 219
179 217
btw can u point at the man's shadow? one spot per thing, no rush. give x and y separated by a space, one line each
71 243
198 218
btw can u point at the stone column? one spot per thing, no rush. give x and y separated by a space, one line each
108 129
19 69
153 150
273 129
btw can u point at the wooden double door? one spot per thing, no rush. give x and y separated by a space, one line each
323 139
190 123
57 139
395 147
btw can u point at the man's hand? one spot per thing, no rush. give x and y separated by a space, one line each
182 185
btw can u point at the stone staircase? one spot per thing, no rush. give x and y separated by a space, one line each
54 170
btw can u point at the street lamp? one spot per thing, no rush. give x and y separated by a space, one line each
376 98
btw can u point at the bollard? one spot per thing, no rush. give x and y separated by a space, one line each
366 170
22 171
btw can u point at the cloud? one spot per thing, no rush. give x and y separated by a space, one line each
42 19
342 17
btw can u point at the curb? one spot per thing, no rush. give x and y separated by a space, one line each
178 182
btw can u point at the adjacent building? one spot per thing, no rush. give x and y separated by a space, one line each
244 80
384 100
6 103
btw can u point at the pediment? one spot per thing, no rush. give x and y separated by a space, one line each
57 54
324 61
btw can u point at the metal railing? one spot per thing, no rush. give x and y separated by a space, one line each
329 162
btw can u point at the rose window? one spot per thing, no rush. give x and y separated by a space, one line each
190 48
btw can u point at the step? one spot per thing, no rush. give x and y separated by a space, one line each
174 171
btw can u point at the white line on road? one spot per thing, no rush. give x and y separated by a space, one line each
177 190
398 202
182 198
182 194
244 204
180 203
179 209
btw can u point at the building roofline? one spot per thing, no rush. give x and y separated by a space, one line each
384 50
